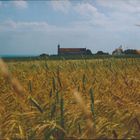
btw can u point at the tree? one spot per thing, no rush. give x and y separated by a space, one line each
44 55
88 52
102 53
131 51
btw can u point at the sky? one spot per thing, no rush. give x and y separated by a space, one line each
35 27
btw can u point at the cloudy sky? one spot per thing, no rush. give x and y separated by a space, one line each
35 27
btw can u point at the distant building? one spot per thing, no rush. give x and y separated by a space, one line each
118 51
138 51
71 51
132 52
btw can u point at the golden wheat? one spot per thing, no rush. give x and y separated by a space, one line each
70 99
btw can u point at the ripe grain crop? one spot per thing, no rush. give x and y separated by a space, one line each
70 99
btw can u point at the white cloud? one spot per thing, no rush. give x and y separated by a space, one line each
61 5
122 14
91 15
109 15
21 4
11 25
32 25
132 6
86 9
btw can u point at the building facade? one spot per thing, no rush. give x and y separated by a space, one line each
118 51
71 51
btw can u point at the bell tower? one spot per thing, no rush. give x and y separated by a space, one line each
58 47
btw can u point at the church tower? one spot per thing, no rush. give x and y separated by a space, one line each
58 49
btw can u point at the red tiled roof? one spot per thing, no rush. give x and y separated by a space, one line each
72 49
138 51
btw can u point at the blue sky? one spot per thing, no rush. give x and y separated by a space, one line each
35 27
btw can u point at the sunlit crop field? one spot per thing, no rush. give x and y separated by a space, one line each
70 99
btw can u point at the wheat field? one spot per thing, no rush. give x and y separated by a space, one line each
70 99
